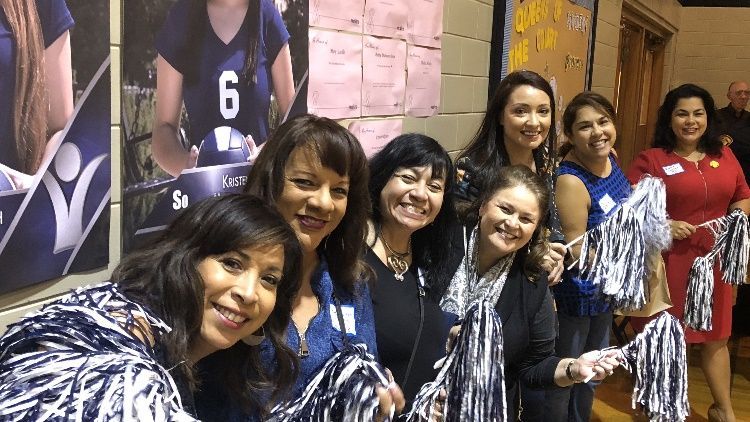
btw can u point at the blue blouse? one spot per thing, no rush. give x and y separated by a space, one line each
576 296
323 337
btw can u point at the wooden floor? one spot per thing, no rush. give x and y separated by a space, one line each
613 396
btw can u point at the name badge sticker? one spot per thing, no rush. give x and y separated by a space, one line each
348 311
673 169
607 203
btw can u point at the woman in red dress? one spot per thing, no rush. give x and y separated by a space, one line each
703 181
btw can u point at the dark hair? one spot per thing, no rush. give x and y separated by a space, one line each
584 99
664 136
431 244
487 151
338 150
510 177
198 25
29 117
164 277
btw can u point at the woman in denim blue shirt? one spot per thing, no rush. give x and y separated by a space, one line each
316 174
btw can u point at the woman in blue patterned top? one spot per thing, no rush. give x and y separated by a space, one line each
589 186
315 172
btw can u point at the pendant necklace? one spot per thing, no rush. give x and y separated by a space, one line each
397 260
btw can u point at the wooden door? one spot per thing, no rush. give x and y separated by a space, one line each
637 89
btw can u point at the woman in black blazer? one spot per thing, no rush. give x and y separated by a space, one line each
503 250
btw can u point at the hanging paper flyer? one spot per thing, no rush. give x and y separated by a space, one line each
335 74
374 134
345 16
422 81
424 26
386 18
383 76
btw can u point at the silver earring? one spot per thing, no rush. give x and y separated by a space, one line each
255 339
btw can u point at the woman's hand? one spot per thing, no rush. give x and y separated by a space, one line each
595 365
439 407
553 263
391 400
680 229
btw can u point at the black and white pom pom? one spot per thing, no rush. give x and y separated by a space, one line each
700 294
649 199
79 359
343 390
618 260
472 374
735 247
658 358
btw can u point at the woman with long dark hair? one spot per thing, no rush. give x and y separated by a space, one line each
315 172
516 130
224 58
410 251
36 83
226 268
703 181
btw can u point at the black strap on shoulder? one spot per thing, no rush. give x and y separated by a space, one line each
421 294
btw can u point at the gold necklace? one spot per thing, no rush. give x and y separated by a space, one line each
397 260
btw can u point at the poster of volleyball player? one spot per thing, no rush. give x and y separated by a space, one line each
54 139
205 82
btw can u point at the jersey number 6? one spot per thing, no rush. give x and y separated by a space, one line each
229 98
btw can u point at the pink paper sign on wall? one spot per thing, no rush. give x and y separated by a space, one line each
424 26
335 85
386 18
334 14
374 134
422 81
383 76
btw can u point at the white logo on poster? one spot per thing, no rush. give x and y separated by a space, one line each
69 217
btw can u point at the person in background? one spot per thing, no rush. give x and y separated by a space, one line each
735 122
703 181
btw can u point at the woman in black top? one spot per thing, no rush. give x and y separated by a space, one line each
503 264
410 245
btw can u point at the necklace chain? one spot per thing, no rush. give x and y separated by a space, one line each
397 260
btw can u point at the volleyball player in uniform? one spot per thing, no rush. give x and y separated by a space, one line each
223 59
28 114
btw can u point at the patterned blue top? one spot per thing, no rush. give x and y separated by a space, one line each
323 337
576 296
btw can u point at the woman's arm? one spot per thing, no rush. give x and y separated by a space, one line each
59 80
283 80
573 205
166 146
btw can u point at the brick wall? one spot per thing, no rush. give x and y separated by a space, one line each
713 49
